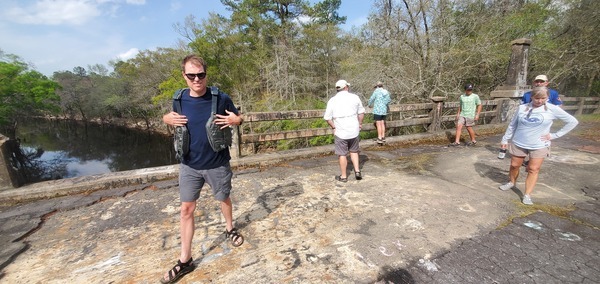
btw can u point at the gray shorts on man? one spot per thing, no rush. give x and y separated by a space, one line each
191 182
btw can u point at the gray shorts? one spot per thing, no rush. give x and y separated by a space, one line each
520 152
343 146
191 182
466 121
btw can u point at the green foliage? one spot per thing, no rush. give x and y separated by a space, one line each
286 55
24 92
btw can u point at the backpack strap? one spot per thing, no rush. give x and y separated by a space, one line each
215 95
177 98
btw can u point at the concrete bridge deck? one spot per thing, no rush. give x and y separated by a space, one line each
422 214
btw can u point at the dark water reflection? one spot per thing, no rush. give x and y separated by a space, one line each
65 149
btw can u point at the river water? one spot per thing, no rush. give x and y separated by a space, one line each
66 149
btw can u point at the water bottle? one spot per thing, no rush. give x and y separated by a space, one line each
502 154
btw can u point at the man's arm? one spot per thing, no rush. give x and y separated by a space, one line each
331 124
361 116
479 108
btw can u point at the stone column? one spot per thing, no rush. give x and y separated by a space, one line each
436 114
516 79
9 177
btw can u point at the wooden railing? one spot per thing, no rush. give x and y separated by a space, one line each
430 117
581 105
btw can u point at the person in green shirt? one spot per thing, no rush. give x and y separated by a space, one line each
467 115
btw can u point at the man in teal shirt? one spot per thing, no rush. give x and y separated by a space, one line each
468 114
380 100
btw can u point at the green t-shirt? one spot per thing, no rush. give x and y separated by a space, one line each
468 105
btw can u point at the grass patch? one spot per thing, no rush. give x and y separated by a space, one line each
414 163
554 210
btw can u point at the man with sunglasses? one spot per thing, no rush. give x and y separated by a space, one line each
202 164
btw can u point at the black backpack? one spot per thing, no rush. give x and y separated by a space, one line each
219 139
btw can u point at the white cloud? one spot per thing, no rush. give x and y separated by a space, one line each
131 53
55 12
136 2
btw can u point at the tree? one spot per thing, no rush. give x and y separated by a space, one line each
567 48
75 93
428 48
23 93
141 96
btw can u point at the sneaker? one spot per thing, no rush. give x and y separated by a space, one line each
454 144
379 141
358 175
507 186
527 200
472 143
383 139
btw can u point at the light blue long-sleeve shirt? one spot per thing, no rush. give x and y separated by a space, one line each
528 125
380 99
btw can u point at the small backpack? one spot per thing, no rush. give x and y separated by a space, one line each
219 139
181 139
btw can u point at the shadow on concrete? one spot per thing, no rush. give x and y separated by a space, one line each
267 203
395 275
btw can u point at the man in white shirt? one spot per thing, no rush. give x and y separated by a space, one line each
345 113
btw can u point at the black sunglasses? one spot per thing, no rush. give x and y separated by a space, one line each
192 77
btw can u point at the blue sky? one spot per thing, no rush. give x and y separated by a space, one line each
58 35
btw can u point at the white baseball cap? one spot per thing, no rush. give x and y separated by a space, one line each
541 78
341 84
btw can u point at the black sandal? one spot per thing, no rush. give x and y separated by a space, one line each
341 179
175 274
235 237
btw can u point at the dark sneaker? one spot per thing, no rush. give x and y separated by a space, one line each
358 175
454 144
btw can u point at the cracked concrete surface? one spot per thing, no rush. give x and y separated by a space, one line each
426 214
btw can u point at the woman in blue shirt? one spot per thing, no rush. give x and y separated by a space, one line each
380 100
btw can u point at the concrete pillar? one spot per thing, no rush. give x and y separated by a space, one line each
519 60
235 151
516 78
516 81
9 177
436 114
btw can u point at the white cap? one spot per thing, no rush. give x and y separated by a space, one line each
341 84
541 78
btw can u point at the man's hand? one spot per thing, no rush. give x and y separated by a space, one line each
175 119
228 120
